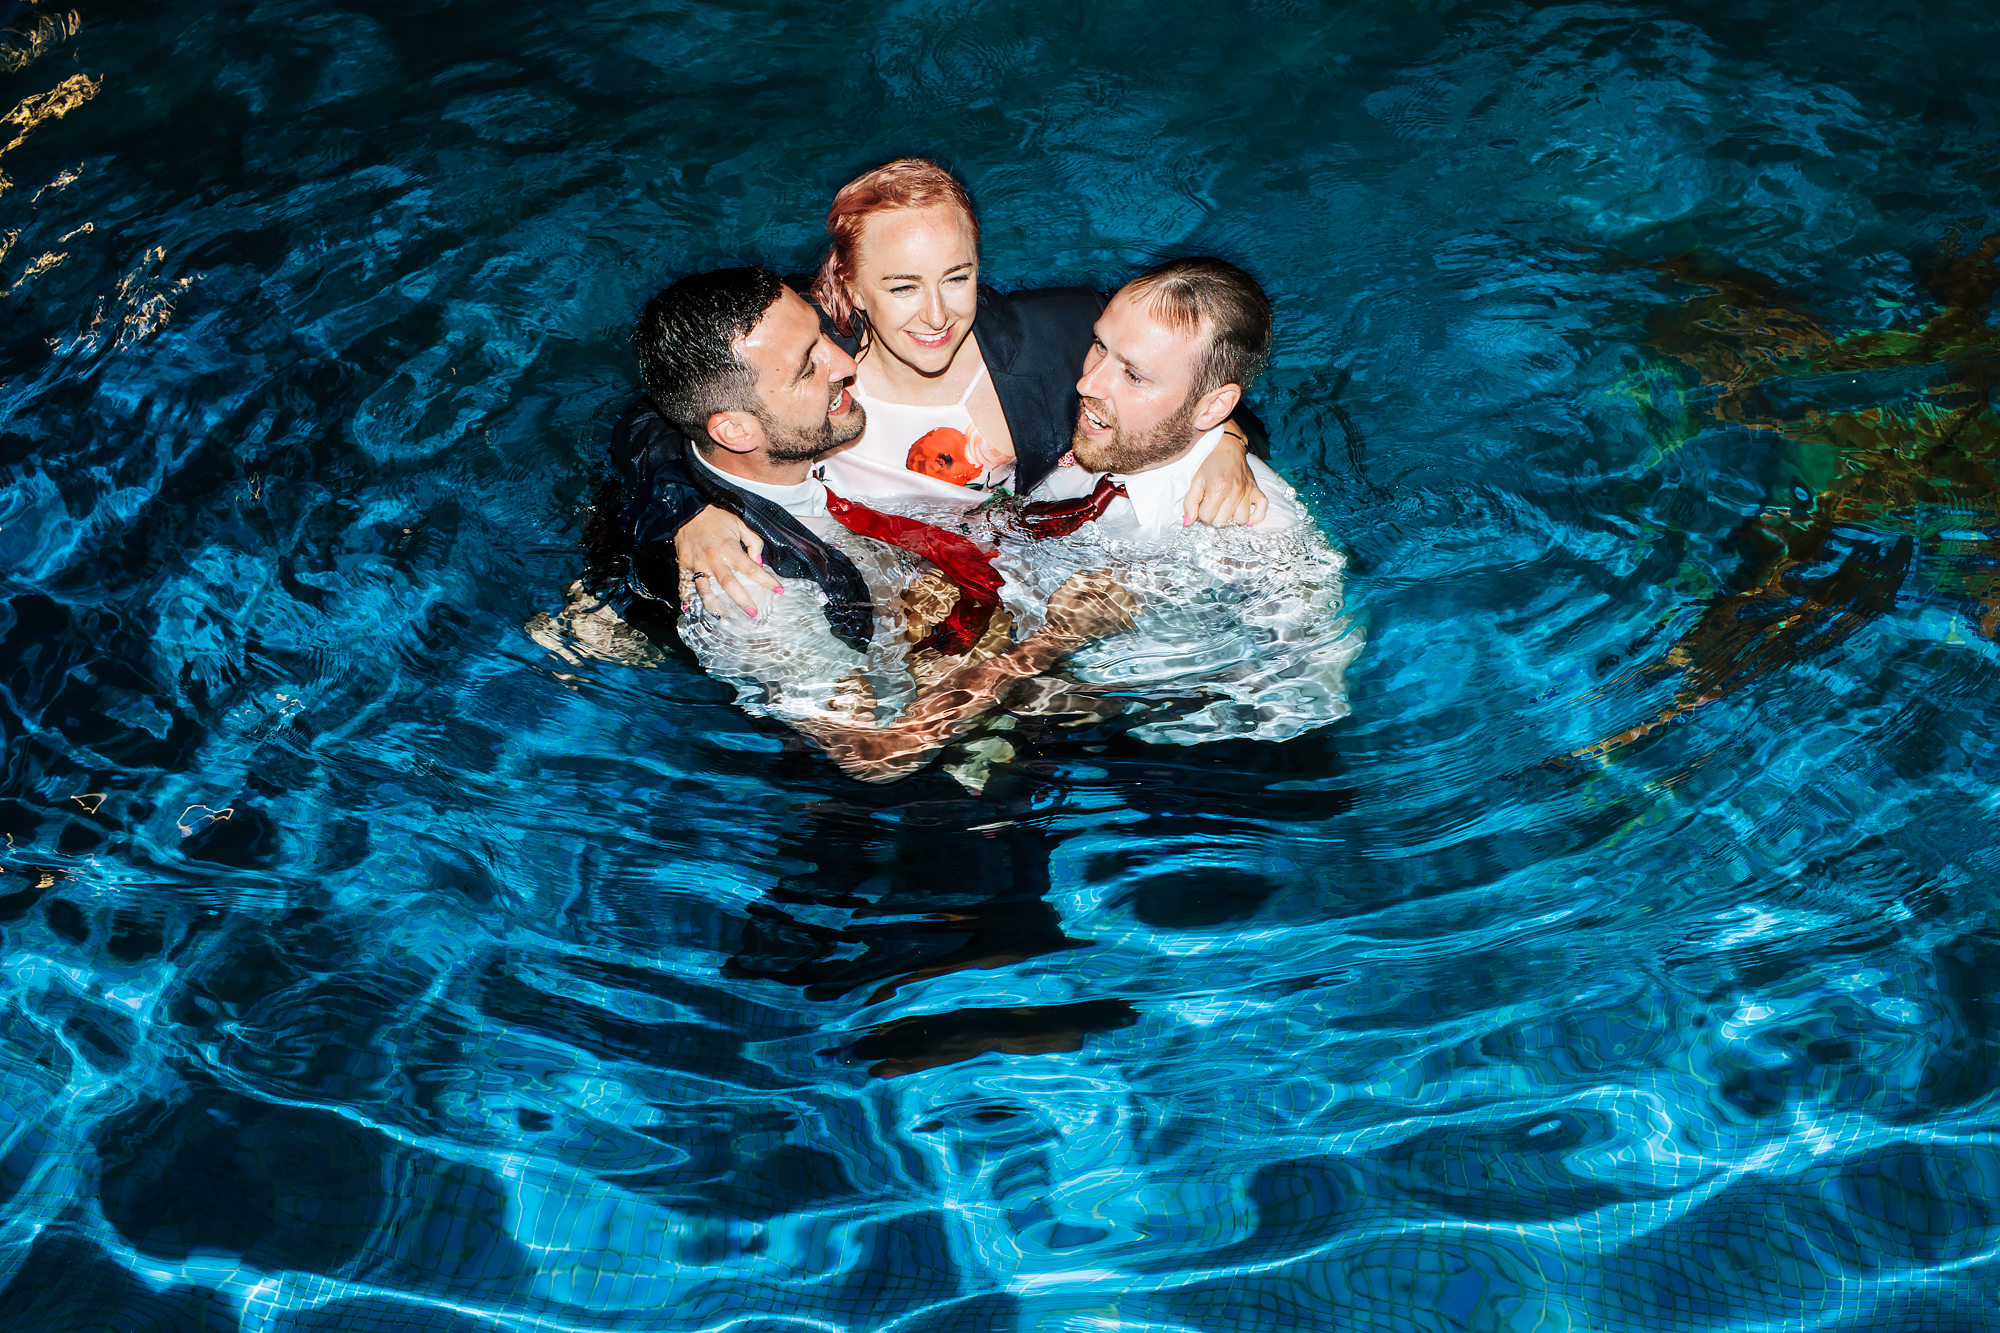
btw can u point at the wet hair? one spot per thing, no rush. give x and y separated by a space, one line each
685 340
1185 294
908 182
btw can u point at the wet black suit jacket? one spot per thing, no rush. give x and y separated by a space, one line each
1033 343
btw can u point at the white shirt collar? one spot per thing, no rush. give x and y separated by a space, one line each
807 499
1156 494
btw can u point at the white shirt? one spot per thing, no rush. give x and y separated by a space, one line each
876 467
1151 505
805 500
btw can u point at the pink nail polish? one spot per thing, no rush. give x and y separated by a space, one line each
760 557
778 591
750 611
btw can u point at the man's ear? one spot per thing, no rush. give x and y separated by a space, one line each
738 432
1215 407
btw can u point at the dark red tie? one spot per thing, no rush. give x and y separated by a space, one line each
1059 518
961 559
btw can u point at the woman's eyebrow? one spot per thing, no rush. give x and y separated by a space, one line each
917 277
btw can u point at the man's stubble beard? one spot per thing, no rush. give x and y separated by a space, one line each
789 446
1125 454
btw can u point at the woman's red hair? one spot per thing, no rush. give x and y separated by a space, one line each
908 182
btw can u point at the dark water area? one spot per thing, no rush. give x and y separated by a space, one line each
377 952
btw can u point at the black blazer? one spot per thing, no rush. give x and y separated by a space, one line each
1033 343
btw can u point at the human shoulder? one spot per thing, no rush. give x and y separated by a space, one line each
656 494
1023 330
642 442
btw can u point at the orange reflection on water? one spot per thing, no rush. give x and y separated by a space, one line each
24 46
1913 467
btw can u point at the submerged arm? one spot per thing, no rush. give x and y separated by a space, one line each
1088 606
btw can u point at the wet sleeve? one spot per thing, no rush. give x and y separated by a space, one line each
1283 510
649 456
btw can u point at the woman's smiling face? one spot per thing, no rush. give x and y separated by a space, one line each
917 277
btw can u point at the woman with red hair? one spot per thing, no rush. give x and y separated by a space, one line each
965 390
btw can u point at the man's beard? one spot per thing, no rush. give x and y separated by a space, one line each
785 445
1126 454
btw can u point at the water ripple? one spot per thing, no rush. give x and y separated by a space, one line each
392 937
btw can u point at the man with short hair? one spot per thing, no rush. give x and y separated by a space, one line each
714 390
1171 357
737 362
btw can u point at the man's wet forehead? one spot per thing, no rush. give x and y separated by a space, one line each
783 339
1130 330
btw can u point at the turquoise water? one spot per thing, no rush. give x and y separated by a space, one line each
369 964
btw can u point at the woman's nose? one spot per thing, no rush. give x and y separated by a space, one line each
934 308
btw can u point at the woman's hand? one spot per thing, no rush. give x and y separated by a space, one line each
717 546
1224 492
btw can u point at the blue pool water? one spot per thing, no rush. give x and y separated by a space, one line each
369 963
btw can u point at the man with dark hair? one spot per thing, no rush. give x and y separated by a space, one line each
700 343
687 364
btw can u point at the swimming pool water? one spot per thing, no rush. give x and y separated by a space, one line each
372 962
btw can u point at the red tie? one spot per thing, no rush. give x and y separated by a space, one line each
1059 518
961 559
